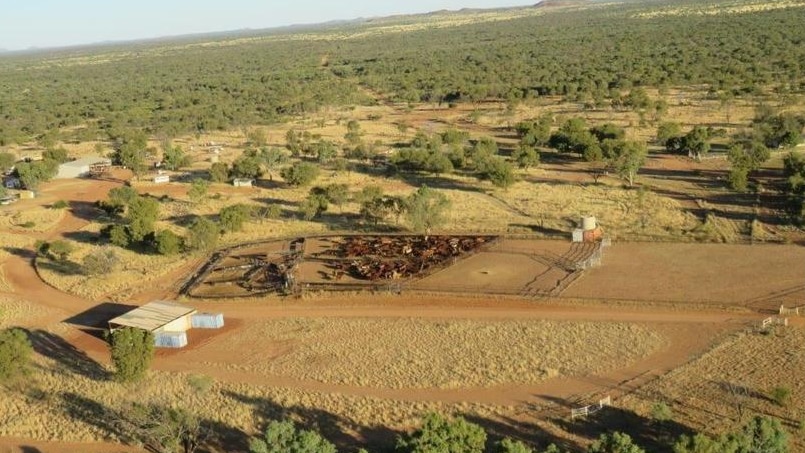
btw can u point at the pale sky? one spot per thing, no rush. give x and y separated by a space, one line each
57 23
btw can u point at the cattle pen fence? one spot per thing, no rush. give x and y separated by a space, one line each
591 409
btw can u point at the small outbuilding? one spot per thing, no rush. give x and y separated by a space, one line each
243 182
81 167
169 322
158 316
161 179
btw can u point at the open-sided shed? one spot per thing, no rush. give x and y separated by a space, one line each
156 317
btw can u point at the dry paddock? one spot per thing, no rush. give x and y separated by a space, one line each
754 276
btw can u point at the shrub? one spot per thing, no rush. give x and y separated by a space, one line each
203 234
167 242
440 434
132 352
200 383
283 437
780 395
60 250
233 217
61 204
661 412
15 354
100 262
300 174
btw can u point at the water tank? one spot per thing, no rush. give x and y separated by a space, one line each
588 223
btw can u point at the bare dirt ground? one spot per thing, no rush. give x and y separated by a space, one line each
697 273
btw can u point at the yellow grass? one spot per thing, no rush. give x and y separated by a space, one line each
699 392
621 212
12 218
136 271
411 353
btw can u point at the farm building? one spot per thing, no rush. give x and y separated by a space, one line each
81 167
161 179
168 322
242 182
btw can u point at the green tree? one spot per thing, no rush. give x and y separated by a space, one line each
119 199
249 165
508 445
173 158
337 194
628 157
535 132
700 443
272 158
284 437
696 142
167 242
119 236
203 234
132 353
219 172
142 215
667 131
198 190
7 161
325 151
315 204
526 156
425 209
56 154
762 435
614 443
233 217
440 435
130 152
102 261
32 174
15 354
60 249
496 170
661 412
300 174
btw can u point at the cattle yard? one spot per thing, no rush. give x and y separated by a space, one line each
394 263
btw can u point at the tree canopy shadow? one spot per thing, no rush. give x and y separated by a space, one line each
651 435
345 434
66 355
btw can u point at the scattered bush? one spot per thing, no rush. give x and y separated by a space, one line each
61 204
780 395
300 174
15 354
167 242
438 434
100 262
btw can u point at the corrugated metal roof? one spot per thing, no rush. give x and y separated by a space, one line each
152 315
85 161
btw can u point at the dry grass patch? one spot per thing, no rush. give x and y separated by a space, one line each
621 212
742 371
36 219
411 353
135 272
56 405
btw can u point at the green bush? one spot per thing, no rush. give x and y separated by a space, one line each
61 204
132 353
167 242
780 395
15 354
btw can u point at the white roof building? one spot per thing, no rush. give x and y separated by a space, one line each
80 167
158 316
